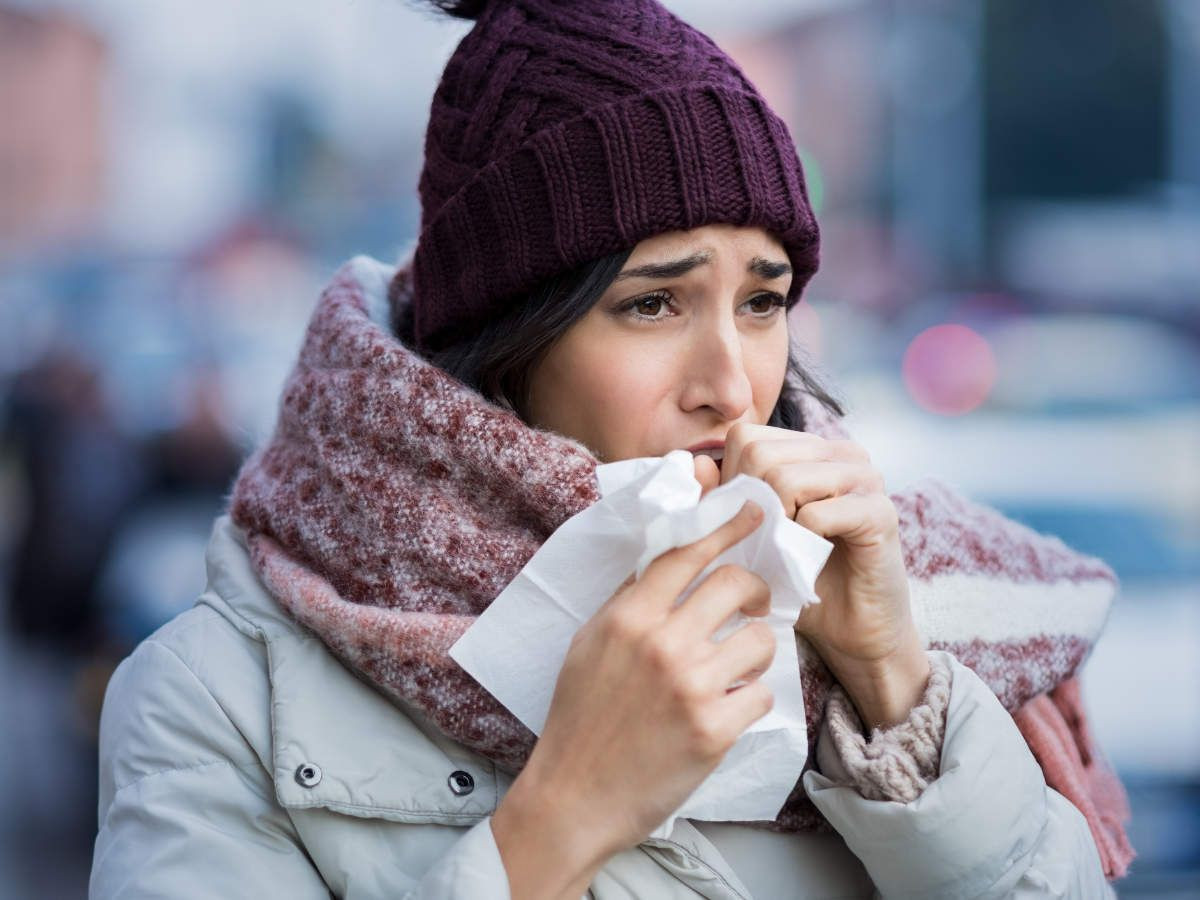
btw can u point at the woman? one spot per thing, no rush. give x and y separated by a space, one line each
614 226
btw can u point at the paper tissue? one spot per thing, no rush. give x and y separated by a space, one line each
516 648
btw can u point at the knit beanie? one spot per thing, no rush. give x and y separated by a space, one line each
566 130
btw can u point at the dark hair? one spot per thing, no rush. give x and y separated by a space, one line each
461 9
499 359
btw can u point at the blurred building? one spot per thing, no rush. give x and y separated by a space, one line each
1047 149
53 70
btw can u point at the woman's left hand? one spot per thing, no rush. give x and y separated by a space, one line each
863 626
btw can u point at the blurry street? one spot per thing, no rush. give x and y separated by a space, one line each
47 772
1008 300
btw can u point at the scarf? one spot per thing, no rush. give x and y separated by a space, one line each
393 503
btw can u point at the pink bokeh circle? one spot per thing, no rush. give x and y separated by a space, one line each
949 369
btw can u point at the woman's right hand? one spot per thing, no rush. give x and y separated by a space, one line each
641 714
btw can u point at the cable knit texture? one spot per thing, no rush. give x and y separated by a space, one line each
895 763
392 505
565 130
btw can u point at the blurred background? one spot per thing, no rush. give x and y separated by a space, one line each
1009 299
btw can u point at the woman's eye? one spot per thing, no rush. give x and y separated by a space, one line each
765 304
656 306
650 306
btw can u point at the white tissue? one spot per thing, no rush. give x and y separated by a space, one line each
516 648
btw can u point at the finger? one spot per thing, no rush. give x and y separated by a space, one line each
666 577
742 707
724 592
743 656
778 444
858 519
759 456
708 473
798 483
738 437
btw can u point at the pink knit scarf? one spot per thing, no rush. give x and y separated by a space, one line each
393 504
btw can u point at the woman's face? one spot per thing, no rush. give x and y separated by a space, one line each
689 339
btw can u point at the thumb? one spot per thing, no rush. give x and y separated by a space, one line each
707 473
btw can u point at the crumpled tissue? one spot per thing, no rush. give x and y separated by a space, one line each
649 505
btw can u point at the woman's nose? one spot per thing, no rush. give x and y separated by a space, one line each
716 375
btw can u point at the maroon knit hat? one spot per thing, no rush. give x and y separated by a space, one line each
566 130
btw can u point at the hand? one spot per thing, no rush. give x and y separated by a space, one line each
863 626
641 714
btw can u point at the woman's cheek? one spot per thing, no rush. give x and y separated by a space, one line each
766 366
628 398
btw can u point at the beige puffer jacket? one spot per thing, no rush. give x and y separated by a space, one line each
239 758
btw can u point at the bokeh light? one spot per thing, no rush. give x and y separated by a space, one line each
949 369
814 179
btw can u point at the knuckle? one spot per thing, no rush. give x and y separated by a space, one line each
660 654
752 454
886 510
758 589
623 624
850 450
764 589
688 689
774 476
732 577
579 637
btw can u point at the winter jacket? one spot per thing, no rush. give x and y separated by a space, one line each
239 758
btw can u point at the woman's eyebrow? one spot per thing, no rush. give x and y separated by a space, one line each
764 268
672 269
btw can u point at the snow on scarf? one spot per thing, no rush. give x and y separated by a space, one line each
393 504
